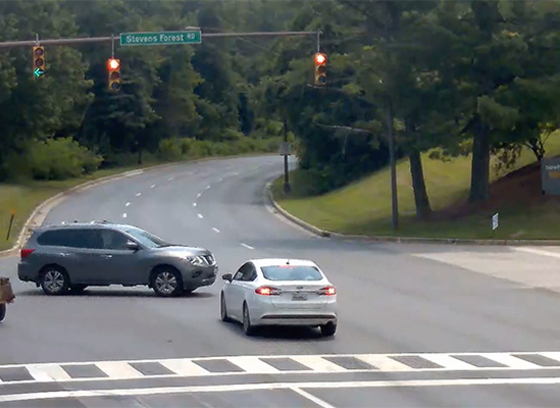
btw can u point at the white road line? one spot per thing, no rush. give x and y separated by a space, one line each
316 400
554 355
318 364
215 229
184 367
48 372
384 363
208 187
119 369
127 204
247 246
200 215
509 360
138 194
152 186
194 204
538 252
198 195
220 180
277 386
124 215
448 362
170 178
253 365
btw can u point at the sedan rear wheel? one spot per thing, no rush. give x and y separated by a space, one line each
328 329
247 327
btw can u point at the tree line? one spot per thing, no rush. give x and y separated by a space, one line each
451 77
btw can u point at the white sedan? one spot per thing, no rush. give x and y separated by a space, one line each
279 292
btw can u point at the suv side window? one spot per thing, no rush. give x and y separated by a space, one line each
54 238
243 272
71 238
113 239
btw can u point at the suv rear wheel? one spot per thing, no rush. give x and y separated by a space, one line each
54 281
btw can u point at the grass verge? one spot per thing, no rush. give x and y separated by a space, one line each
24 196
364 207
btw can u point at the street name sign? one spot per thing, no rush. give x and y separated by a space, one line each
162 38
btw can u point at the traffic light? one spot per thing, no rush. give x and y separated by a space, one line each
114 70
320 69
38 61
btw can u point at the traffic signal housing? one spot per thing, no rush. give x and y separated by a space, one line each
320 69
38 61
114 74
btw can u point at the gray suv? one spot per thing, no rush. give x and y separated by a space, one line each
65 257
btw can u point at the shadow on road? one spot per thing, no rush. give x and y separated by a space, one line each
272 333
113 293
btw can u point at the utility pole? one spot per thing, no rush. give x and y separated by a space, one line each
287 187
393 163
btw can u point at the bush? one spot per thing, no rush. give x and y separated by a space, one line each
187 148
61 159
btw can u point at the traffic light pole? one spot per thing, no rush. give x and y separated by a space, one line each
72 41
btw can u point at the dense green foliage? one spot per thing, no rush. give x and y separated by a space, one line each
459 77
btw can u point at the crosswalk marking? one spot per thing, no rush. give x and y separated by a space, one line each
184 367
47 372
448 361
253 365
119 369
509 360
242 365
318 364
384 363
553 355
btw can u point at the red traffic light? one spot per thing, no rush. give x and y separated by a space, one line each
320 59
113 64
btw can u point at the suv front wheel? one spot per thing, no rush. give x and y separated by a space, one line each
54 281
167 282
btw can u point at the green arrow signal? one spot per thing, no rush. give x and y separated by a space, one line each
38 72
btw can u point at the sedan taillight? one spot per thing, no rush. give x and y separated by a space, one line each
267 291
328 291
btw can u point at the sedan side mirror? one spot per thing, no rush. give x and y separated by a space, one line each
133 246
227 277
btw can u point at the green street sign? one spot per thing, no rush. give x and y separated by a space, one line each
162 38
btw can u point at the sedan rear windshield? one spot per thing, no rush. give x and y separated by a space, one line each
291 273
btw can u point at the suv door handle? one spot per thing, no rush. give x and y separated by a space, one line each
106 256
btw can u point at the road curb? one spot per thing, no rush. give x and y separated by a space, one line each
42 210
400 240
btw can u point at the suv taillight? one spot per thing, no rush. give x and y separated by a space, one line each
25 252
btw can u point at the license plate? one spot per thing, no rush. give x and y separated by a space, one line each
299 296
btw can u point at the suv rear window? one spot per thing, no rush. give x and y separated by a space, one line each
72 238
291 273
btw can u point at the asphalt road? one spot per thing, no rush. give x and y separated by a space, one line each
393 299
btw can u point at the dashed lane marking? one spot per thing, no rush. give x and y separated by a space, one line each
208 187
200 215
127 204
152 186
194 204
198 195
247 246
138 194
238 365
171 178
215 229
124 215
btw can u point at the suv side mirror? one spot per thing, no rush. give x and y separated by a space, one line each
227 277
133 246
